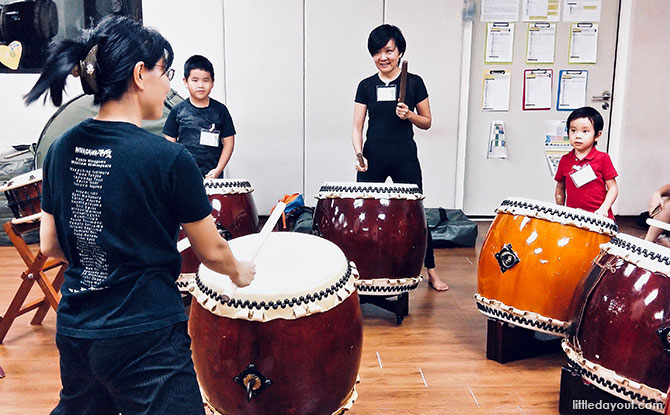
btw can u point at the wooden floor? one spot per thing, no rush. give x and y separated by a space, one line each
434 363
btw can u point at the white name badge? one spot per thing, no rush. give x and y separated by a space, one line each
385 93
209 138
583 176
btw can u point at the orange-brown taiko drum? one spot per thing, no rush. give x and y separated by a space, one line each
289 343
533 257
234 213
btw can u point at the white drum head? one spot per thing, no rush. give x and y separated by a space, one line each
23 179
362 190
558 214
296 274
227 186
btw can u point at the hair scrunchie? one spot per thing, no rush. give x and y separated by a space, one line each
87 70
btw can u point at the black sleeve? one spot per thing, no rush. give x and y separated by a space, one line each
189 200
46 182
362 93
420 91
171 128
228 126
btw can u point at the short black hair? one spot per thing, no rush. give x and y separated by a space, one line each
121 43
588 112
381 35
198 62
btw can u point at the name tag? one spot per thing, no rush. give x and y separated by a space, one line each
209 138
583 176
385 93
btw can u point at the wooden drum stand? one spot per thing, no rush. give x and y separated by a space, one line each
35 273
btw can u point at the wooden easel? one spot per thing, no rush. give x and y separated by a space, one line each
37 265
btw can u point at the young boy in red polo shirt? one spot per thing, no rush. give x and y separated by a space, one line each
586 174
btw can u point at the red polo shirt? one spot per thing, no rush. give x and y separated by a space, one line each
589 196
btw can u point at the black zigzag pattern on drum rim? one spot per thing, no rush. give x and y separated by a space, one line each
306 299
226 184
629 246
558 212
397 289
610 385
410 190
511 318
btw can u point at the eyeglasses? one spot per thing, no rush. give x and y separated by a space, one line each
169 72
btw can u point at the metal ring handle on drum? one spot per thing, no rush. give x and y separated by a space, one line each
252 381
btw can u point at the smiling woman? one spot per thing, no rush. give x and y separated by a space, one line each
390 149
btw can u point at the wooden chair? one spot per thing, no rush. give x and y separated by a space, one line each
35 273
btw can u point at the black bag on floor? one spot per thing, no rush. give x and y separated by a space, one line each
450 228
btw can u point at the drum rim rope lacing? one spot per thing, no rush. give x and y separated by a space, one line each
611 382
637 247
364 190
528 319
231 186
384 286
581 219
284 308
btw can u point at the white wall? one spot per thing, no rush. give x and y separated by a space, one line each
645 137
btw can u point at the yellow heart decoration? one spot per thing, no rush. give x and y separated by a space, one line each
10 55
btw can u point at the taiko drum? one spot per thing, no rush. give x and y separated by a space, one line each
289 343
532 258
24 194
381 227
621 336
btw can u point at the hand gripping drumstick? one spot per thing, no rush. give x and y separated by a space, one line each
403 82
230 288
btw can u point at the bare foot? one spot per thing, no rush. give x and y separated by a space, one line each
435 282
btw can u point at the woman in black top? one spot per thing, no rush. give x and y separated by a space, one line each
390 150
113 198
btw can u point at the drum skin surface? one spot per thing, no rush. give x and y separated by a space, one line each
618 329
384 238
312 361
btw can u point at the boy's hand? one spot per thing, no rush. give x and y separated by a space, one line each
601 212
214 174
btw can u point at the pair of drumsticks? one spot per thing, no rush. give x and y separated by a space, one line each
401 98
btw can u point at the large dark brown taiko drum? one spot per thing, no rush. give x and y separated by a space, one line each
381 227
289 343
234 213
621 337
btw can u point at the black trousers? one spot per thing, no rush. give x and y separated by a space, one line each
400 171
148 373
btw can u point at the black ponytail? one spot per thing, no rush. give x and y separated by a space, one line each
105 58
61 60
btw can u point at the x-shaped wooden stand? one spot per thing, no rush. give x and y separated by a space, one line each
37 265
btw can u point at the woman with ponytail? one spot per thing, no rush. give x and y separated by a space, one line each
113 198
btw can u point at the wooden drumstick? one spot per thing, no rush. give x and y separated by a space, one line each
658 224
361 161
403 82
230 288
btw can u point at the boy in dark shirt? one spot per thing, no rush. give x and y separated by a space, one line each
202 124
